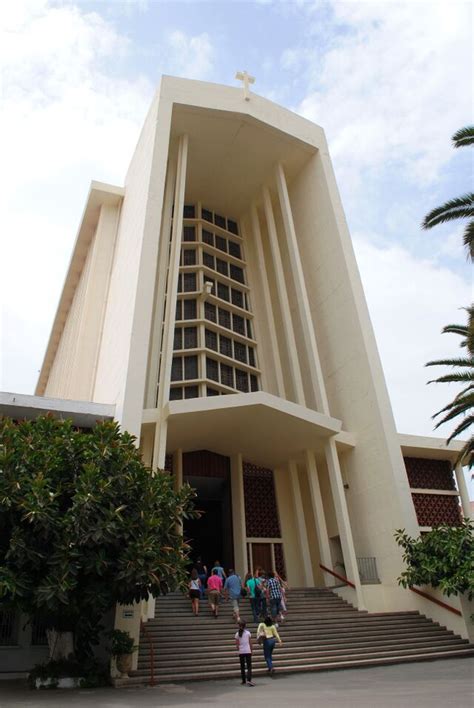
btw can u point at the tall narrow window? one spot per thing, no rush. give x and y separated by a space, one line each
177 369
225 345
189 309
211 340
224 318
234 249
219 221
222 267
189 282
232 227
190 338
189 233
189 257
227 375
241 381
212 371
208 237
236 273
178 338
210 312
190 367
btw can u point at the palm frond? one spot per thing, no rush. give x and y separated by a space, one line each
452 362
455 411
463 330
468 240
463 137
456 377
460 404
464 425
457 208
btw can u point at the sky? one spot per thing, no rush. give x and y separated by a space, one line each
389 82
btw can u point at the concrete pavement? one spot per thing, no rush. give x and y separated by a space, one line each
424 685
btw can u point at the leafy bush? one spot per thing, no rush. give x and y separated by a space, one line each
91 672
442 558
122 642
84 524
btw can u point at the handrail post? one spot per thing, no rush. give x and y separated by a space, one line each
152 653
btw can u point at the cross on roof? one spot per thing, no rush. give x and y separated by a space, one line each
246 79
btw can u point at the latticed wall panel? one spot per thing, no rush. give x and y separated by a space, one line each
261 511
279 560
429 474
436 509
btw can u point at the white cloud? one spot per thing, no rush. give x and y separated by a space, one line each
68 116
193 57
410 301
65 122
394 84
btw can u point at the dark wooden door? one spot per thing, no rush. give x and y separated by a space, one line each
262 556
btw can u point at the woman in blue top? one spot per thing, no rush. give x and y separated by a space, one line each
220 570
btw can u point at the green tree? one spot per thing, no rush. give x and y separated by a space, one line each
442 558
460 207
463 403
84 524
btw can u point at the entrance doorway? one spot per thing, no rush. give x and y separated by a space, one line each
262 556
210 536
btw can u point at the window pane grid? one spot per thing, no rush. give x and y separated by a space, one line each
211 340
190 338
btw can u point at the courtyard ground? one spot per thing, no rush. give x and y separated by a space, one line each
440 683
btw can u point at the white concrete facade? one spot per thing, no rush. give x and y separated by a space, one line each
312 403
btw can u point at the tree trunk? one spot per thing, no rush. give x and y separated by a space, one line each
61 644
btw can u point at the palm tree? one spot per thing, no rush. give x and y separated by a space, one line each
460 207
463 403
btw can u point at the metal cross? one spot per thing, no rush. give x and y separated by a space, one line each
247 79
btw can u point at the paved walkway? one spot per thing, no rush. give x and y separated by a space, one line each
424 685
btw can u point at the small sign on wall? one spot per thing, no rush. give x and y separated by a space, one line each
127 614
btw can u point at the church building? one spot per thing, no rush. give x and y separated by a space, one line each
214 305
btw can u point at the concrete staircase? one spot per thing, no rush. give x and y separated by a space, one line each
321 632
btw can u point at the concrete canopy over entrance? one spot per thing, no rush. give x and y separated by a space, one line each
264 429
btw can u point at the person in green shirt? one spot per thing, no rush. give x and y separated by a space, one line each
268 633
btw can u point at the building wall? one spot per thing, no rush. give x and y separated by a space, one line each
74 368
117 332
378 495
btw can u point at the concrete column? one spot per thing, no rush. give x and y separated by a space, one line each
319 516
300 524
170 310
267 301
238 514
343 522
160 287
302 300
178 477
287 319
463 491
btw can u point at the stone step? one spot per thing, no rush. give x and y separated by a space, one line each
314 624
176 649
302 655
321 632
215 673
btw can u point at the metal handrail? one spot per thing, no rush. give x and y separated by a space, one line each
152 652
336 575
436 601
